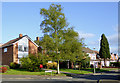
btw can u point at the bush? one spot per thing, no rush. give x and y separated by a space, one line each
54 65
115 64
91 66
14 65
6 67
3 69
51 65
31 63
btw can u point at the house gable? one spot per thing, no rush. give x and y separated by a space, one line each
13 49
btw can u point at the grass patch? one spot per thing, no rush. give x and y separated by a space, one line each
76 71
25 72
110 69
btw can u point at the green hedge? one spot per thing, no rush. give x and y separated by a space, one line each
14 65
115 64
31 63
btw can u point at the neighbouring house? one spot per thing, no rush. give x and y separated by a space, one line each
95 59
92 54
114 57
0 54
15 49
1 44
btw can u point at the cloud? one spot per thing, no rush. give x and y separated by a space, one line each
94 43
113 43
86 35
113 49
113 39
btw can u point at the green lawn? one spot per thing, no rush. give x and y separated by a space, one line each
76 71
110 69
87 70
25 72
42 72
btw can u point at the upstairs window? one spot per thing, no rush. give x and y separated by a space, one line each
25 49
20 48
5 49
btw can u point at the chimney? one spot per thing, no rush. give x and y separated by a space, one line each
37 38
20 35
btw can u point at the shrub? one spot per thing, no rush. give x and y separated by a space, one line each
3 69
6 66
91 66
51 65
14 65
115 64
31 63
54 65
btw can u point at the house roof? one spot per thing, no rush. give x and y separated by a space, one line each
88 50
96 51
11 42
0 44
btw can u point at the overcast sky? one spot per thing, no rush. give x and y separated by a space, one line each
90 20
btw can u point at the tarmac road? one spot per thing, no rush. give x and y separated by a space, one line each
64 79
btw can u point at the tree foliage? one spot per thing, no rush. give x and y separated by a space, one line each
60 42
104 48
71 47
53 24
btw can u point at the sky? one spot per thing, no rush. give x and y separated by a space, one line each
90 20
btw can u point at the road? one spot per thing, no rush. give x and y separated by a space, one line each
105 77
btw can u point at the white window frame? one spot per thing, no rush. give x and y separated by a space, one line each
5 49
26 49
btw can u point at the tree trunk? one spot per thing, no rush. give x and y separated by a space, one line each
72 66
79 66
104 62
58 72
68 65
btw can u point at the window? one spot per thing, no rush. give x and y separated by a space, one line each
20 48
5 49
25 49
93 58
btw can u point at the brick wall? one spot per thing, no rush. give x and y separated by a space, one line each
7 57
0 56
15 53
33 49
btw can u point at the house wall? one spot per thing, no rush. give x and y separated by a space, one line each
113 57
92 56
0 56
24 43
15 53
7 57
33 49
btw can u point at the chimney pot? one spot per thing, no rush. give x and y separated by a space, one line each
20 35
37 38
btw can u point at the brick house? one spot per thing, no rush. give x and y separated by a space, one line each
92 54
15 49
114 57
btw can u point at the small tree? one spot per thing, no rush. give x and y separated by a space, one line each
54 22
71 46
30 62
104 48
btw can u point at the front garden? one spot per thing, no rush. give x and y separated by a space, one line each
33 65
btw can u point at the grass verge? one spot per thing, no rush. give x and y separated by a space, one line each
25 72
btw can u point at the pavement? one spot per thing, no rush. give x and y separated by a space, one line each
112 77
